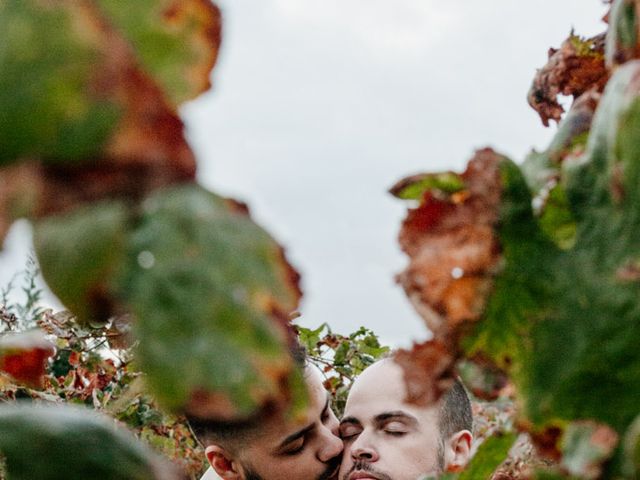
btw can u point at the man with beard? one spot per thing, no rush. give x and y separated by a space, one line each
386 438
276 449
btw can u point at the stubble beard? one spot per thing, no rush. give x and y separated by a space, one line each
326 475
366 467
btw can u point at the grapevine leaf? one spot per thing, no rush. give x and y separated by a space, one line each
427 370
631 445
105 80
414 187
24 356
47 68
573 69
80 276
452 248
212 294
175 41
489 456
560 318
77 444
491 453
622 38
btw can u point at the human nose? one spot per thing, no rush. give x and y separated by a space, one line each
331 444
363 448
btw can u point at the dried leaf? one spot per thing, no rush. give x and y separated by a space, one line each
24 356
452 248
428 371
575 68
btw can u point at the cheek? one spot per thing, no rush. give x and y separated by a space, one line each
347 461
417 454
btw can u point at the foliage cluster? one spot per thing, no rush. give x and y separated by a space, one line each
92 367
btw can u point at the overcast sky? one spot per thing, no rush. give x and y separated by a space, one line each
318 107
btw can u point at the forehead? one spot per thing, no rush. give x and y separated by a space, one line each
381 389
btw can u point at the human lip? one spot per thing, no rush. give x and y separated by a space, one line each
361 475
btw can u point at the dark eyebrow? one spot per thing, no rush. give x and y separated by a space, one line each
301 433
352 420
395 415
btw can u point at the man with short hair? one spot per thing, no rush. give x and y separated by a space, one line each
277 448
387 438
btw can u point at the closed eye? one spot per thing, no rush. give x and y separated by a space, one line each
395 428
395 434
349 431
294 447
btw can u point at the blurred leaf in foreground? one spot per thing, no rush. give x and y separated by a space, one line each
83 444
84 80
81 276
212 294
560 318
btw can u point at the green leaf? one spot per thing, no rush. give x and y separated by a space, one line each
176 42
49 443
560 321
46 105
413 188
309 338
79 254
622 36
209 289
631 445
556 220
80 80
489 456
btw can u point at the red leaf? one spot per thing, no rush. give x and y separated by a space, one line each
24 356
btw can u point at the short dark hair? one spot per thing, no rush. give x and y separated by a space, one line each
455 411
235 433
229 434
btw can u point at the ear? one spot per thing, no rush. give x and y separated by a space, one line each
457 451
223 463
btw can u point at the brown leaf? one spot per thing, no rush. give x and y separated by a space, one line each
24 356
453 250
573 69
428 371
547 441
